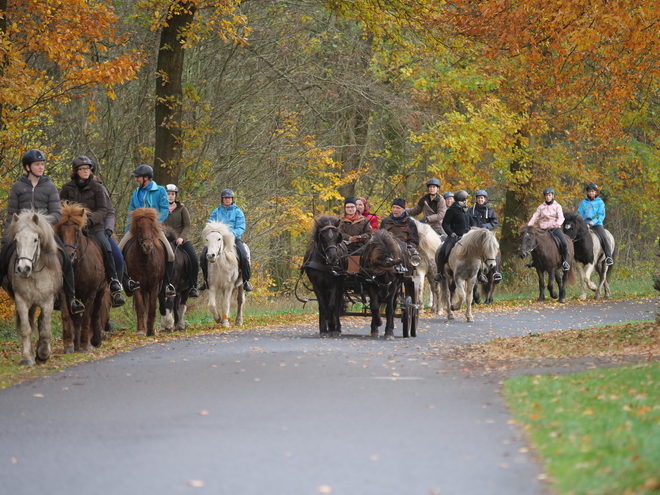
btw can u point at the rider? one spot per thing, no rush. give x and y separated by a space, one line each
432 205
482 214
449 198
551 216
455 223
36 191
401 225
150 195
592 209
363 208
83 189
179 221
231 215
355 228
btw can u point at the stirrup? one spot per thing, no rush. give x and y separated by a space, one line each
497 276
609 261
203 286
133 285
115 286
566 266
483 279
192 292
76 307
170 291
247 286
117 300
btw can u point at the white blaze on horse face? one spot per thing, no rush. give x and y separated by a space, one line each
215 246
27 251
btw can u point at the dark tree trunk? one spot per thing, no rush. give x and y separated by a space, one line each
169 93
3 62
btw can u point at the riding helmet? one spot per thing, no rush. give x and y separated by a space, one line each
33 156
482 192
79 161
461 195
433 182
172 188
548 190
591 186
143 171
448 194
227 193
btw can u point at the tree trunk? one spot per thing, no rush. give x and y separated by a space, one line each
169 93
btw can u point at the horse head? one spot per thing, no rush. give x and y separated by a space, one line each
328 239
28 247
215 246
574 226
491 250
528 241
219 240
70 226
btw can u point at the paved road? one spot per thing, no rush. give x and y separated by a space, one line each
282 412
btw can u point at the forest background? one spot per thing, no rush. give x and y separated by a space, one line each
297 104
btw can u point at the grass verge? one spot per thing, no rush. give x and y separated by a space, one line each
597 432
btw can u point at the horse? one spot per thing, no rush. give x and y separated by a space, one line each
589 255
82 334
145 260
385 263
173 309
325 263
224 274
429 243
546 258
476 249
488 288
33 280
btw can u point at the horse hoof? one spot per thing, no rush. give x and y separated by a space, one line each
324 335
225 324
41 361
470 320
335 334
562 300
374 335
141 334
68 350
388 337
27 362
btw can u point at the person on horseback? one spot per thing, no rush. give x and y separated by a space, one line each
355 228
432 205
592 209
550 217
449 198
455 223
483 216
402 226
83 189
150 195
37 191
363 208
179 221
230 214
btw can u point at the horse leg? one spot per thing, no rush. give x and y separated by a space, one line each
561 282
166 307
590 269
85 330
374 304
336 300
151 313
389 311
446 298
96 325
138 303
213 309
471 286
240 300
24 331
539 273
553 275
67 327
45 332
180 311
459 295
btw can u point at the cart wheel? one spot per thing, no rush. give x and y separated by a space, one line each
414 320
406 316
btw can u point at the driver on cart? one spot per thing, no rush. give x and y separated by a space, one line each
402 226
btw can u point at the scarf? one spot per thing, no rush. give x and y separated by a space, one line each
401 218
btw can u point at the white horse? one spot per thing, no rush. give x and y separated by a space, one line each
224 275
478 247
33 279
589 255
429 242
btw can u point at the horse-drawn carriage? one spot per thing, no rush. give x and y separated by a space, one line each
358 285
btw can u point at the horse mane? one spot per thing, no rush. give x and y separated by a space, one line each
26 220
478 240
429 240
321 222
75 213
142 213
582 243
223 229
532 229
384 250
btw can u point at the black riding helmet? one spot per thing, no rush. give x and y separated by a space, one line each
548 190
433 182
461 195
591 187
482 192
143 171
33 156
79 161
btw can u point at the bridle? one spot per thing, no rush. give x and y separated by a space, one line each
325 250
33 259
74 247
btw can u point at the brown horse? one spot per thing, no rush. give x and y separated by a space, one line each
82 334
145 262
546 258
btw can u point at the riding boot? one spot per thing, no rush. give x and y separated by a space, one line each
76 306
117 299
244 265
170 291
482 277
130 286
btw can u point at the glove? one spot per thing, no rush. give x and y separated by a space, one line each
432 218
108 232
453 234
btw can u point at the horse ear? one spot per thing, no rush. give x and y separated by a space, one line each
14 219
35 218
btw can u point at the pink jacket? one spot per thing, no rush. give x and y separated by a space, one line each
550 216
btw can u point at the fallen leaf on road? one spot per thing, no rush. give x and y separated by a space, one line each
196 483
324 489
203 412
38 395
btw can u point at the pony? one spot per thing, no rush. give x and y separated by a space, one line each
224 274
82 334
385 263
429 243
546 258
589 255
33 280
478 247
145 262
173 309
324 263
488 288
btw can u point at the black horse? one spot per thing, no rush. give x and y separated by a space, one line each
488 288
324 264
546 258
385 264
173 309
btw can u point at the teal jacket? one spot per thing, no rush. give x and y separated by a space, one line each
152 196
232 216
592 210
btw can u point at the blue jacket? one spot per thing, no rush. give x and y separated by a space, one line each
232 216
155 197
592 211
